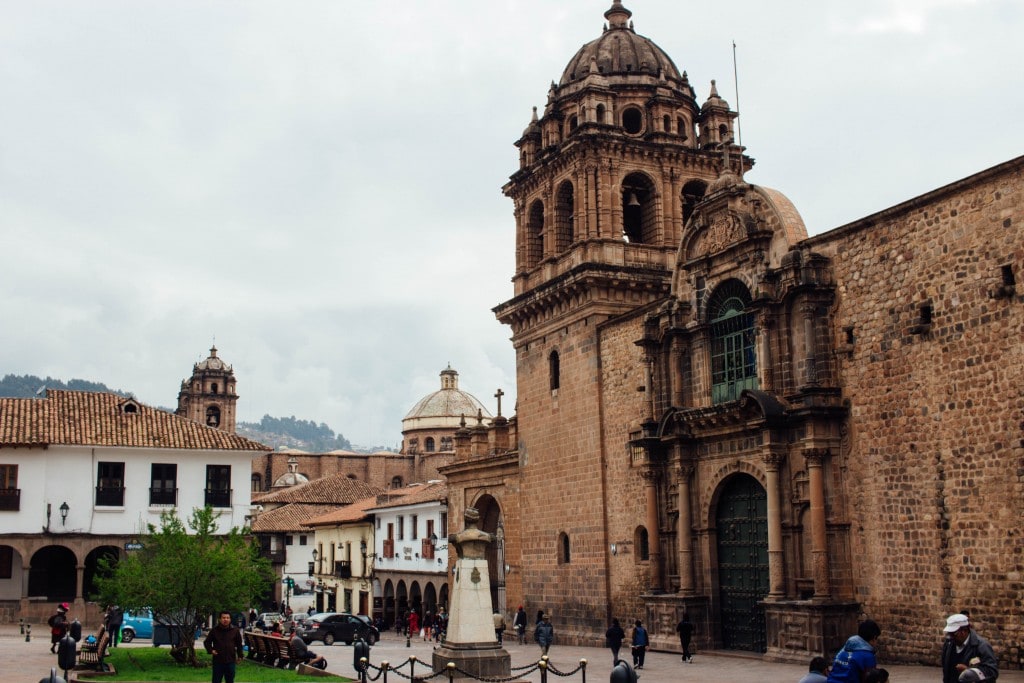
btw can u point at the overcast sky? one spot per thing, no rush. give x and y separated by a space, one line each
317 184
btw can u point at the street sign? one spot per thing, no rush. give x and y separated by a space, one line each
135 545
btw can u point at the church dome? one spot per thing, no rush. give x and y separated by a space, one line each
444 407
619 51
292 477
213 362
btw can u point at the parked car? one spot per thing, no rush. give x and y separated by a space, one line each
137 625
266 620
331 626
298 621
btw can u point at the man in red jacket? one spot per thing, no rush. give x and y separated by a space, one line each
224 642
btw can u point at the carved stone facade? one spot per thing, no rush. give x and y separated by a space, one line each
779 434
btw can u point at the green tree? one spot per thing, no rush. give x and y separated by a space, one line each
186 577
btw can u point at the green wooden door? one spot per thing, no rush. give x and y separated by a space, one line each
742 563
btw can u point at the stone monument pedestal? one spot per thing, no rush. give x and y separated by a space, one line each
479 660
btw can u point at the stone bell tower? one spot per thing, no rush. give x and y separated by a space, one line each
609 174
209 395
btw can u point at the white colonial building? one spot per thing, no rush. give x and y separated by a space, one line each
411 550
82 474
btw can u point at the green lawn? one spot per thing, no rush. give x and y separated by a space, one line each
155 664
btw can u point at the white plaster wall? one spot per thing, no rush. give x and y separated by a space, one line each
408 549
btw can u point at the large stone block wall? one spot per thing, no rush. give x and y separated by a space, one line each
562 478
935 465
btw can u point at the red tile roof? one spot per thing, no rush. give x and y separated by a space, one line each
356 512
337 489
410 495
288 517
81 418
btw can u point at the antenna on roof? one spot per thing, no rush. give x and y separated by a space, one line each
736 87
41 390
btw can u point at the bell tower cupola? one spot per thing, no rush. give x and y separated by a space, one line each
209 395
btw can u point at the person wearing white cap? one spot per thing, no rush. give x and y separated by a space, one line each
966 656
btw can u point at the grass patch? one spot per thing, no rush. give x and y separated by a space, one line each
155 664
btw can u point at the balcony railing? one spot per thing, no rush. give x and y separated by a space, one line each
218 498
10 500
110 496
343 569
163 496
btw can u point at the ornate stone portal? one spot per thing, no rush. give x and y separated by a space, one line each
470 642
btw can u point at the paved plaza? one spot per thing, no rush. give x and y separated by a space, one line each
23 662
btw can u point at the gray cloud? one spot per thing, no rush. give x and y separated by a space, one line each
318 184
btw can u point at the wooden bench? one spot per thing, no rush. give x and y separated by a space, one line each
271 650
90 657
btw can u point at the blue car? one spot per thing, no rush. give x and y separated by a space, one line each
137 625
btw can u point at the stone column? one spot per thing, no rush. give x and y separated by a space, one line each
676 350
764 354
653 535
810 367
591 190
80 580
776 586
819 541
684 531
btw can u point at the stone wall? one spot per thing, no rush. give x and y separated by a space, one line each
932 364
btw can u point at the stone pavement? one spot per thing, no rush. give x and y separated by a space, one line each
22 662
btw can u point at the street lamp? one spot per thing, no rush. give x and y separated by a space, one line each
64 509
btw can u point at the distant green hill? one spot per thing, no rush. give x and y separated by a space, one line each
279 432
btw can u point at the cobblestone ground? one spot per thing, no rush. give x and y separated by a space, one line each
22 662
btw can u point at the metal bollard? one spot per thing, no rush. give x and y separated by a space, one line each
451 671
384 670
412 667
21 625
28 632
543 664
364 665
583 669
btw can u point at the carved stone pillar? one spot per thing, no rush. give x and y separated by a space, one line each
810 362
776 584
764 354
653 534
684 531
819 542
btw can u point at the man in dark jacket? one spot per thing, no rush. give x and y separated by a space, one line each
966 656
857 657
224 642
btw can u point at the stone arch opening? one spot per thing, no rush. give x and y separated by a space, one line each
429 599
416 598
693 193
388 605
11 571
94 567
491 521
53 574
639 209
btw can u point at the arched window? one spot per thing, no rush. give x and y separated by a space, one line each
639 214
723 132
681 126
554 371
633 120
733 363
600 113
693 192
428 444
574 122
213 388
666 123
641 541
564 554
257 483
535 234
564 206
396 482
213 416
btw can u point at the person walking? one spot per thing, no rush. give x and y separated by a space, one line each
544 634
58 624
817 671
519 624
414 624
613 638
685 630
499 627
857 657
224 642
966 656
640 644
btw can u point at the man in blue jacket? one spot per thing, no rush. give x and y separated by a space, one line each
857 657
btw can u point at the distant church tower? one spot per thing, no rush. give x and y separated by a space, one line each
209 395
